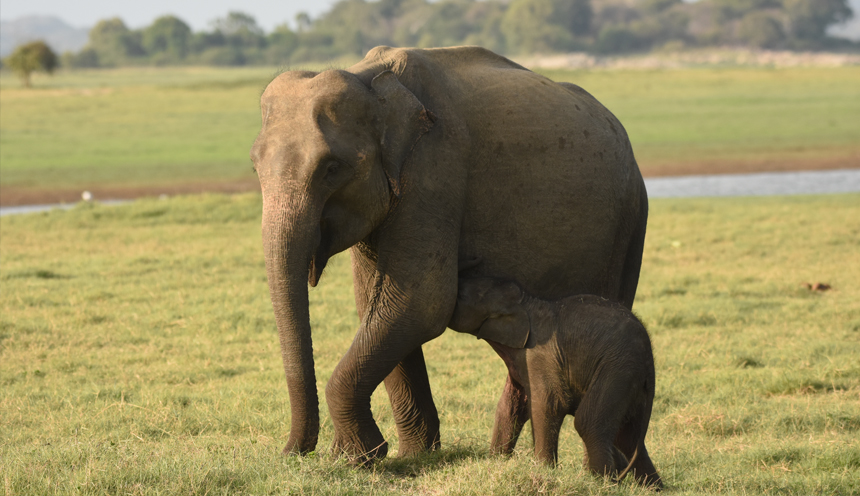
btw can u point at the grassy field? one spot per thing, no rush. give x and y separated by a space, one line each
729 114
168 125
138 355
130 126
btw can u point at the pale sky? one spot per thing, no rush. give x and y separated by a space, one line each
136 14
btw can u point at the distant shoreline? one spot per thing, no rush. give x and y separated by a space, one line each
697 186
705 57
19 196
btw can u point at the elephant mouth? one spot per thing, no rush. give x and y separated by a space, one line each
319 259
316 267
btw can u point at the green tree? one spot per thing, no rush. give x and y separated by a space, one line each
29 58
168 39
114 43
282 43
303 22
352 26
657 6
240 29
761 29
574 15
236 40
616 38
810 18
487 26
739 8
86 58
532 26
446 25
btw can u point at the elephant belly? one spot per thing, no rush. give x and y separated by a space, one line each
552 254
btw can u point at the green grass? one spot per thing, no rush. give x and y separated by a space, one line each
166 125
131 126
138 355
713 114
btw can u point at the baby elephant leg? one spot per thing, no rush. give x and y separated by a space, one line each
511 415
548 409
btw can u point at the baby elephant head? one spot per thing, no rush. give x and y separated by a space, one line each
491 309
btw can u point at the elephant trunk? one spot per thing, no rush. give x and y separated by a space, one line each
289 246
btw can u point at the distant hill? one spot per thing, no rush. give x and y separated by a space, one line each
59 35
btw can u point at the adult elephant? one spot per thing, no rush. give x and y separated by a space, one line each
416 159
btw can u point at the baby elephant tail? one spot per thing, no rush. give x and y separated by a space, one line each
629 465
649 476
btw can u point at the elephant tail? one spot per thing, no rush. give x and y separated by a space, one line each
629 465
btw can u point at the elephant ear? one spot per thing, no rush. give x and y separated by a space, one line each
402 122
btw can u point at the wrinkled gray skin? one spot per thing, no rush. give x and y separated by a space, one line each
581 355
414 159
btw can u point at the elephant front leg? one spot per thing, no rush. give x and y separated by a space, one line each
512 413
405 297
408 386
369 360
548 406
415 413
388 344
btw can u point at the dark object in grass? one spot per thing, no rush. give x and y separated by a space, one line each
583 356
819 286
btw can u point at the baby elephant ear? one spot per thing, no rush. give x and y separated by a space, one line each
509 324
511 329
403 120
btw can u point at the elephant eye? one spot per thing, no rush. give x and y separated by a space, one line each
336 172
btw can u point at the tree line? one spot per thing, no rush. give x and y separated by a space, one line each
352 27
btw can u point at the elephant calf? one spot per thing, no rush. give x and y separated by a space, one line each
581 355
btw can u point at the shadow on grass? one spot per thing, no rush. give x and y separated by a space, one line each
402 466
414 466
35 274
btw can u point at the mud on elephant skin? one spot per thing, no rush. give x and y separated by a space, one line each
414 159
583 356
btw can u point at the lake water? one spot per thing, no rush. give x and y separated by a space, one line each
761 184
29 209
767 183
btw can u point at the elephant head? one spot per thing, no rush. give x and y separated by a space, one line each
492 309
329 158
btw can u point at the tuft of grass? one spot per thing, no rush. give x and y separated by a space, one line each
144 359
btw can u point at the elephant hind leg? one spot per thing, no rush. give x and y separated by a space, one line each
600 455
415 414
597 420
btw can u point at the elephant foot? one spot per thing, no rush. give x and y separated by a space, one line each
411 446
360 452
298 445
